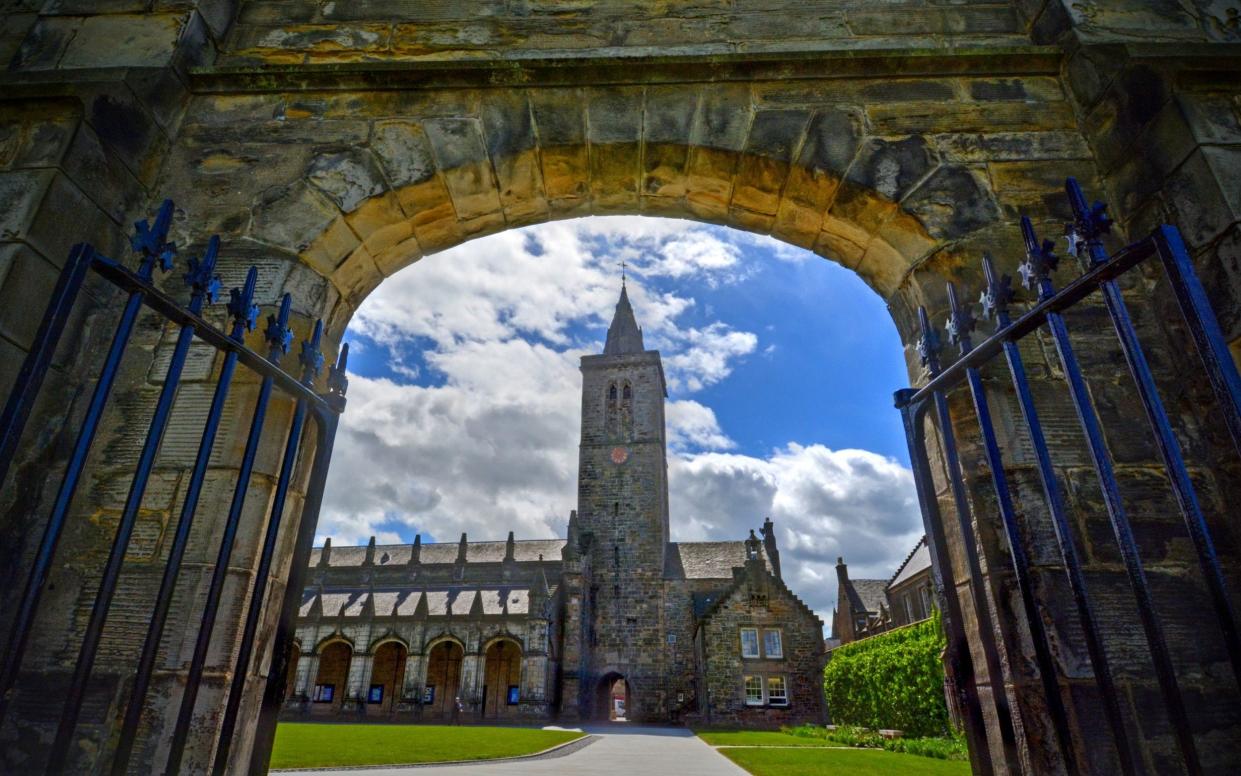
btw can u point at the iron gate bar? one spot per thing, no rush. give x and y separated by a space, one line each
42 351
1031 320
278 337
1203 326
957 651
995 301
311 359
1040 261
1088 229
960 323
928 347
244 313
203 286
168 307
152 244
274 691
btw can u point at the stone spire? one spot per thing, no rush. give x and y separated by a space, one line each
624 335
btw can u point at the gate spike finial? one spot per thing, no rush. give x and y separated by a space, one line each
201 278
928 343
278 334
241 306
1040 261
997 295
961 321
337 380
152 242
311 357
1089 224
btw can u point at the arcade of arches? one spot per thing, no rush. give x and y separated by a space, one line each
332 144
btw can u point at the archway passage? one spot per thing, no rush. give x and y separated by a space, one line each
612 699
501 679
443 679
387 677
332 679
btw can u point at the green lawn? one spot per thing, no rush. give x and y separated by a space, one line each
846 762
312 745
757 738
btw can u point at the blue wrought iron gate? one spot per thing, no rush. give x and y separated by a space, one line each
1084 235
155 252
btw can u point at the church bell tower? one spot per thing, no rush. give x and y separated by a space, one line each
623 498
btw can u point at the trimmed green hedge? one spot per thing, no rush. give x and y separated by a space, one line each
893 680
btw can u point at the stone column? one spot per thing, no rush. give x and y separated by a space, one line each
359 680
472 667
415 678
307 671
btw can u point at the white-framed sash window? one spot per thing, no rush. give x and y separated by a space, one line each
777 691
754 691
773 643
749 642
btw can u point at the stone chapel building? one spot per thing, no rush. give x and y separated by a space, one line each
702 632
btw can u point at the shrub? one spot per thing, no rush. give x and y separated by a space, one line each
952 748
948 748
893 680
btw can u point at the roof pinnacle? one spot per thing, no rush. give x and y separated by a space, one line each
624 335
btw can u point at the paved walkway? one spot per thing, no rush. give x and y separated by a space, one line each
647 751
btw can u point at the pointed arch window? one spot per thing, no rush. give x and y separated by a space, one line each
626 411
612 418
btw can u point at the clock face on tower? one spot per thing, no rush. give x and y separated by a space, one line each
620 455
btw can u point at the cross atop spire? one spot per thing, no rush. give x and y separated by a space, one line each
624 335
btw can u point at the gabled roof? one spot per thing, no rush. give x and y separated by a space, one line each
917 561
706 560
866 595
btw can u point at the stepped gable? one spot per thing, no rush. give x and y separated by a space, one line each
710 602
706 560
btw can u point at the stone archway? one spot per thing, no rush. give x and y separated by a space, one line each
388 674
613 699
899 142
331 684
501 678
443 684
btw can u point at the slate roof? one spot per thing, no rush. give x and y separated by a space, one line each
440 602
918 560
442 552
866 595
706 560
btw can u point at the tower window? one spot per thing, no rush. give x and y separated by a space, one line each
628 393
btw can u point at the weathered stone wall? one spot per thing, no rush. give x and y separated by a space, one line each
333 155
761 601
309 31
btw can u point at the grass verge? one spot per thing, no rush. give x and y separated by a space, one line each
759 738
810 761
315 745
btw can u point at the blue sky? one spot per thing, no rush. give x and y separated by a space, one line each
464 400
